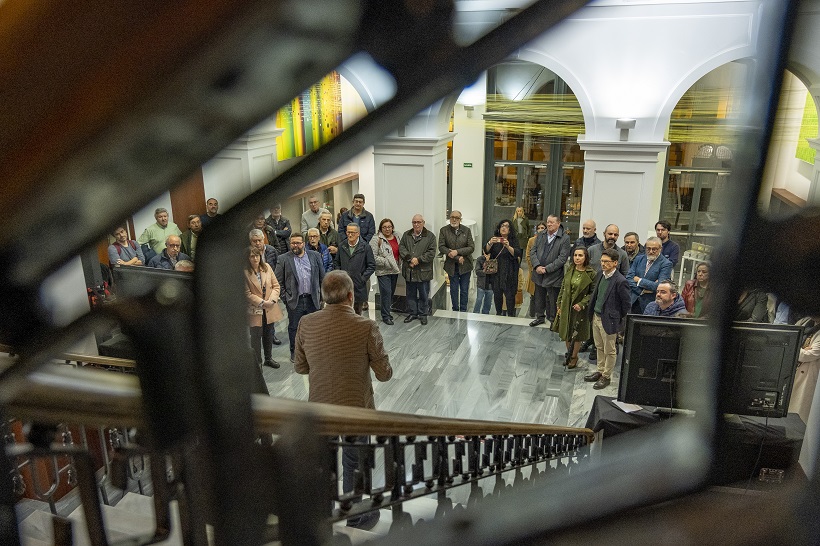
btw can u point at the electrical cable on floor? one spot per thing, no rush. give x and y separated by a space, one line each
759 453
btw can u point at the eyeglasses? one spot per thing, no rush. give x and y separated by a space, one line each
653 249
173 245
606 262
417 221
455 217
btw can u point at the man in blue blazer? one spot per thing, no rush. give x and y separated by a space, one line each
645 272
609 304
300 273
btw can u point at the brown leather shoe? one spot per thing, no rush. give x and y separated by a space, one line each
601 383
594 376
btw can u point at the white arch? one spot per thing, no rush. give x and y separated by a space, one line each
689 79
551 63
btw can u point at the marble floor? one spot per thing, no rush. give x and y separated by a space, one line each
468 366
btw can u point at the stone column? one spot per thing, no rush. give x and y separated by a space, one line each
623 184
411 178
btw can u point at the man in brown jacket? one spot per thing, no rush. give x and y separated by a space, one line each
342 375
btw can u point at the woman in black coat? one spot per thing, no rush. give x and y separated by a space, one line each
504 247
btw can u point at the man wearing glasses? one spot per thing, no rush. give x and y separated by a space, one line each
168 258
645 272
609 304
456 243
300 273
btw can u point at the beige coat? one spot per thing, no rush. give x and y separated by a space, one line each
530 284
805 378
338 365
253 292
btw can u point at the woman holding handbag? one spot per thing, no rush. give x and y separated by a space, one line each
262 293
385 247
505 258
572 320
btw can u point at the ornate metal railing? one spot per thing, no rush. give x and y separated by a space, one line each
405 458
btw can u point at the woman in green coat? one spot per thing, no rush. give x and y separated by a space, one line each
572 320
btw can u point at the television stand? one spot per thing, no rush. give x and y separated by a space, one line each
673 411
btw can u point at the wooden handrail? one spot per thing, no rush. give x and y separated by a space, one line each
95 360
61 394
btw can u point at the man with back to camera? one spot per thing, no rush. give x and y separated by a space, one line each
156 234
191 236
343 377
356 257
168 258
124 251
608 305
300 274
456 243
548 256
211 212
310 218
632 246
668 302
671 249
645 272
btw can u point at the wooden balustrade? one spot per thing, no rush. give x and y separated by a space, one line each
61 394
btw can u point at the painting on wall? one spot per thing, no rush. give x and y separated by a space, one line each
312 119
808 129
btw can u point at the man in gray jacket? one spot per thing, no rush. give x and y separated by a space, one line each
417 249
456 243
548 256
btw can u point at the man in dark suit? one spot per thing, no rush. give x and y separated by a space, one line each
356 257
645 272
609 304
300 273
548 256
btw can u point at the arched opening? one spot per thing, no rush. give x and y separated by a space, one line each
703 133
532 157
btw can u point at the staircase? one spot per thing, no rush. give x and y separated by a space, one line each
411 468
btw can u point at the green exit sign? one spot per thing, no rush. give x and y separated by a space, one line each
468 164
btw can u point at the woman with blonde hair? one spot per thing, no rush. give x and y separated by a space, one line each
521 227
262 293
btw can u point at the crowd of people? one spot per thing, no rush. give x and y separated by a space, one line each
583 288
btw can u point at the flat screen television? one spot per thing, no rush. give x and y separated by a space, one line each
656 368
138 281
